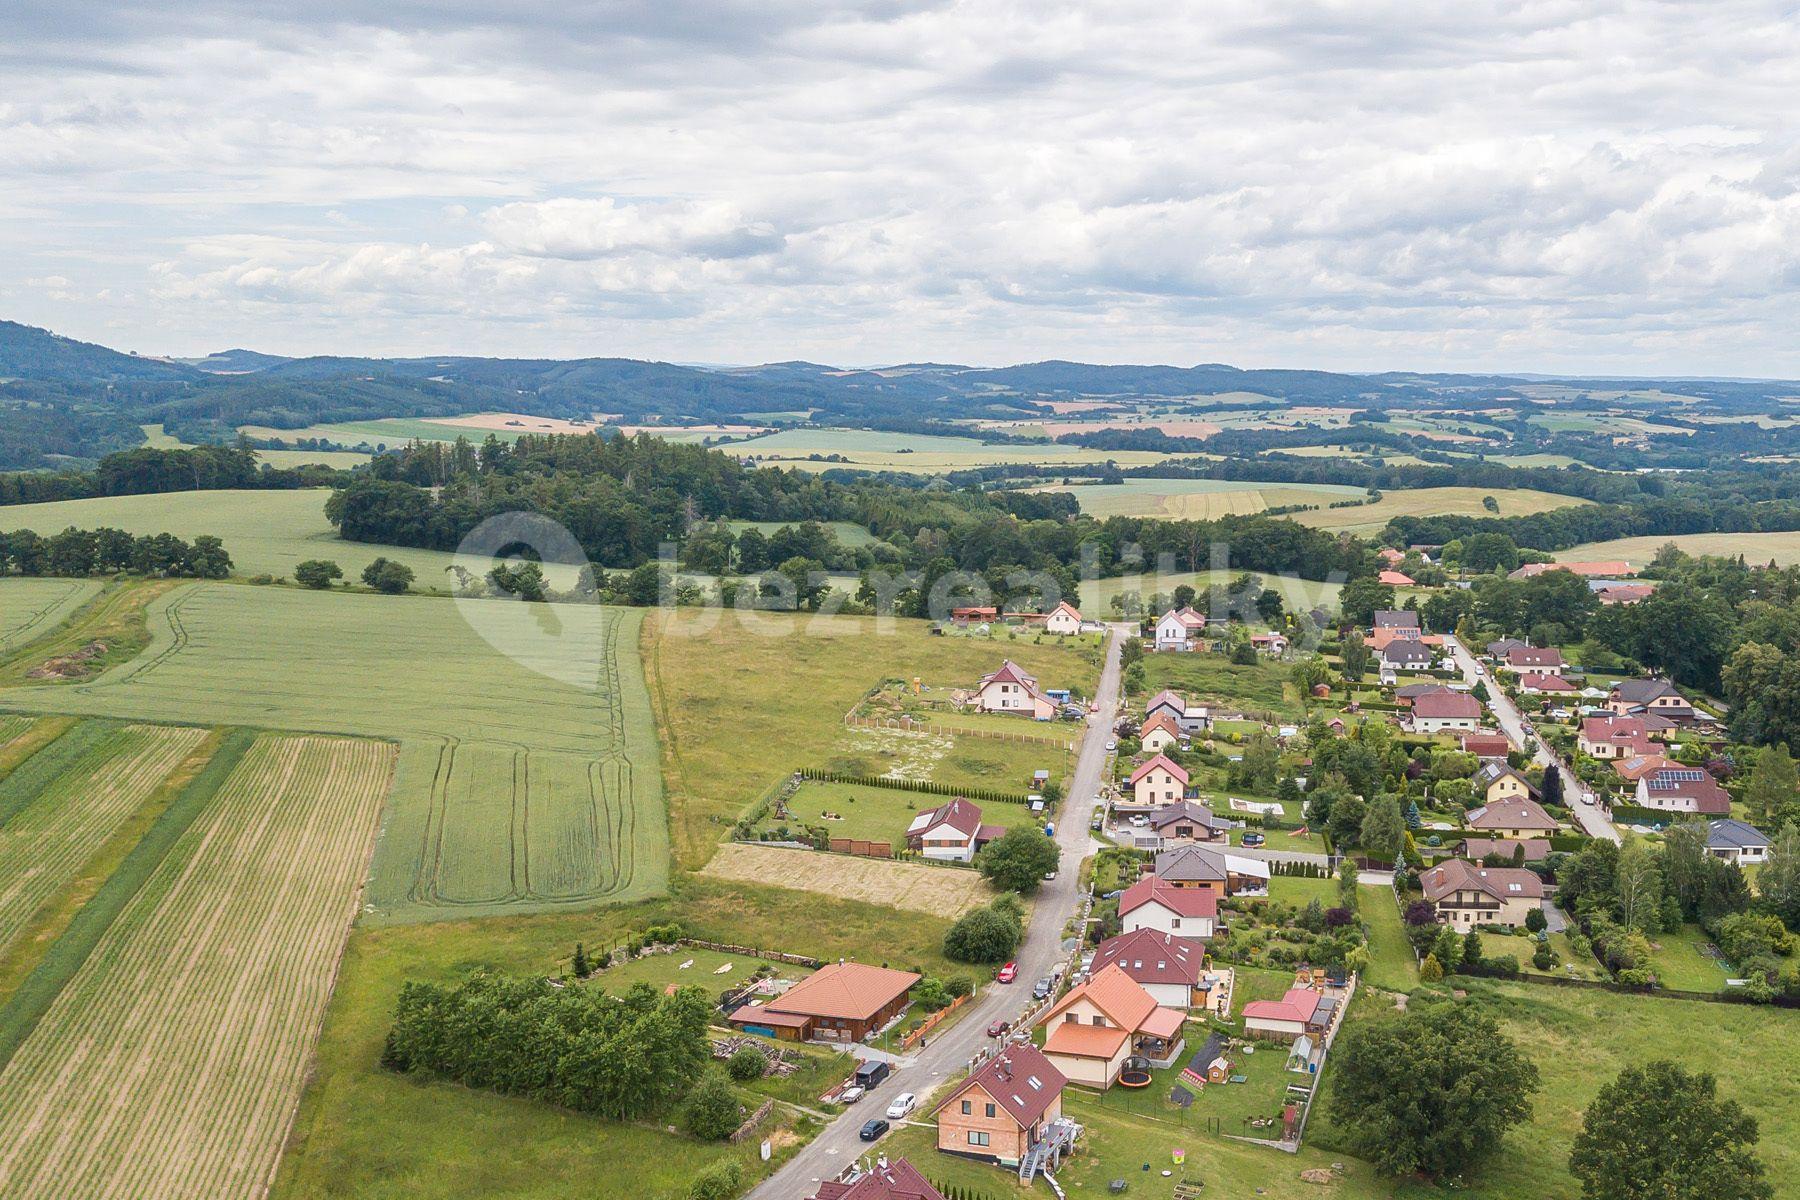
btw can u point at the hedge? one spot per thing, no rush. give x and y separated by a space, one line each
1627 814
916 785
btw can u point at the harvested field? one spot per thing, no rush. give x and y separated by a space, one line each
941 891
514 789
1435 502
1198 499
64 803
30 608
171 1064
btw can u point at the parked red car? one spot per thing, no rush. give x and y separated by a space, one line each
1008 973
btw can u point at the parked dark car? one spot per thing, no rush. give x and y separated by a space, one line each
873 1130
1042 988
999 1028
1253 839
872 1073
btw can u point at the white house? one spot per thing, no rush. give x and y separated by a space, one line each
1011 690
1170 968
1064 618
1178 628
1736 842
951 832
1179 912
1535 660
1446 712
1677 787
1159 732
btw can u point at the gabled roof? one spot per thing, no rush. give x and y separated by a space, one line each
1615 728
1637 766
1642 691
898 1180
1166 763
1011 672
844 990
1183 902
1191 864
1021 1081
1165 699
1163 721
1298 1004
1505 646
1520 657
1185 810
964 816
1545 683
1406 650
1395 579
1502 883
1065 606
1689 783
1491 773
1114 993
1514 812
1152 956
1728 833
1187 616
1396 618
1475 849
1447 706
1487 745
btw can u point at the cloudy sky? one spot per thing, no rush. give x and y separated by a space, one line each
1547 185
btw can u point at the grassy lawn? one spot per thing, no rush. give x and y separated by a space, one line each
364 1132
1679 964
1259 687
1298 890
701 970
1581 1039
1258 983
1569 964
877 813
745 700
1391 962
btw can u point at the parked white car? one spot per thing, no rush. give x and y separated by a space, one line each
904 1103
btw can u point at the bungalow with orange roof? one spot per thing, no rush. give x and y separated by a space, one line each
1065 618
1516 817
1157 782
840 1002
1395 579
1091 1032
1150 903
1006 1107
1012 690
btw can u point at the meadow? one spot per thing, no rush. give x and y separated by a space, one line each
1198 499
876 814
1434 502
524 779
1213 679
30 608
1299 595
171 1062
848 533
912 887
1780 548
1581 1039
155 438
745 699
916 453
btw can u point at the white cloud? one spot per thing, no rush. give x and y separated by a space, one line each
1556 185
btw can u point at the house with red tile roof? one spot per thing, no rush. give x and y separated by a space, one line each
1678 787
889 1179
1007 1106
1301 1012
1179 629
1159 732
1065 618
1092 1030
1012 690
1466 895
950 832
1535 660
1446 712
1487 745
1546 685
1172 969
840 1002
1395 579
1587 570
1158 782
1614 737
1151 903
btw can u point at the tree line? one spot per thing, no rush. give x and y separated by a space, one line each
83 552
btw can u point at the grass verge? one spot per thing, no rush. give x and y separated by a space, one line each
115 619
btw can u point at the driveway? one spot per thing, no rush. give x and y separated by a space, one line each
1506 714
946 1057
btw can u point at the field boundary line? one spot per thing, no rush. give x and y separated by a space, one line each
26 1007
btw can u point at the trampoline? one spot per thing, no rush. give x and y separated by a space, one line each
1135 1073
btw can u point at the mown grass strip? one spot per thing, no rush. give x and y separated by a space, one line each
48 762
41 733
115 619
26 1006
50 920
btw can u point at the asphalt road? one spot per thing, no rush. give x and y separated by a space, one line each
945 1057
1593 819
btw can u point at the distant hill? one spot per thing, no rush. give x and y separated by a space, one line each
235 362
27 352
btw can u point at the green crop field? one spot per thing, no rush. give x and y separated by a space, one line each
1434 502
848 533
1300 595
63 804
1782 548
515 790
343 459
917 453
171 1062
30 608
1198 499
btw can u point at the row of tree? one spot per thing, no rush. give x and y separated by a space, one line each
84 552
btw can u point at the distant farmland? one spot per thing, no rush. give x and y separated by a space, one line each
172 1061
515 791
1198 499
30 608
1435 502
1758 548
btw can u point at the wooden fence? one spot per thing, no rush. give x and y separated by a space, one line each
931 1022
798 960
862 847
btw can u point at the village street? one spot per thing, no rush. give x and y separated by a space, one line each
1593 818
944 1057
